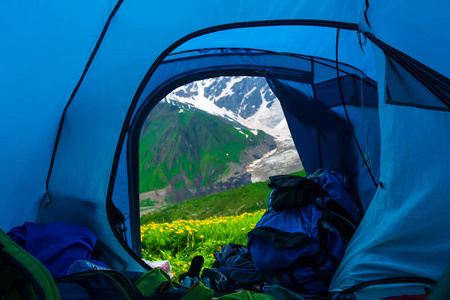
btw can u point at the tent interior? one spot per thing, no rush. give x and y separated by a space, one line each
354 80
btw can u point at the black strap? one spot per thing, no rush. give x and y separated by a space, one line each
291 191
323 240
321 275
213 274
346 112
280 238
10 260
332 258
300 287
342 224
118 219
365 13
316 268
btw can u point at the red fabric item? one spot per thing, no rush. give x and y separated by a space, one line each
408 297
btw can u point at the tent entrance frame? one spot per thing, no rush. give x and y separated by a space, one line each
157 62
128 119
198 74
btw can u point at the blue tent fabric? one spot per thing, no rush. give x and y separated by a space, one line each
32 51
57 246
403 89
403 232
44 55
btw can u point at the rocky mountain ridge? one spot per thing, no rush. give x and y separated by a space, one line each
249 106
250 102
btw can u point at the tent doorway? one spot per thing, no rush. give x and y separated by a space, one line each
206 152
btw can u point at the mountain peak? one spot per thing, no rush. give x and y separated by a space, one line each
212 135
248 101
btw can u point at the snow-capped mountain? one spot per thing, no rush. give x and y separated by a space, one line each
245 105
248 102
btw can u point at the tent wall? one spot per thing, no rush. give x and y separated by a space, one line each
48 45
419 29
43 50
404 232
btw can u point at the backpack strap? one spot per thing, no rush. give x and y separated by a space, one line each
21 272
291 191
323 240
316 268
300 287
345 227
280 238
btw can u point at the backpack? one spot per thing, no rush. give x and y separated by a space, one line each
301 238
21 275
97 284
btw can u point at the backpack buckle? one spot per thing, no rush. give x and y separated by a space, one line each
326 226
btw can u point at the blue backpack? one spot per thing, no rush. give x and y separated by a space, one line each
302 237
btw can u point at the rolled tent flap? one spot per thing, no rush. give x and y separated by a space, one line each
323 135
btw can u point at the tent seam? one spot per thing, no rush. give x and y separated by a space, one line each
72 96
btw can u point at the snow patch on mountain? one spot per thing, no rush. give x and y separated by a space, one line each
268 116
249 102
282 160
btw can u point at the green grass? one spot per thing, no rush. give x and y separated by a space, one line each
179 241
147 203
202 226
248 198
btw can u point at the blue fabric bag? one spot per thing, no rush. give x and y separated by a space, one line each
302 242
56 245
338 198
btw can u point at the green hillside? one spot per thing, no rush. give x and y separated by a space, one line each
248 198
187 148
